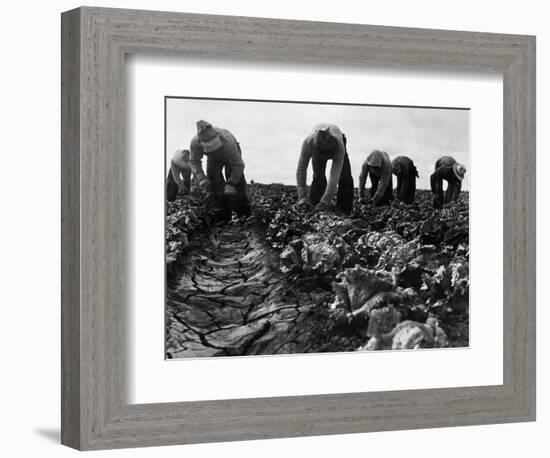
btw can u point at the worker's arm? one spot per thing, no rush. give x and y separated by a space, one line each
234 158
195 160
363 179
301 169
334 176
385 179
175 173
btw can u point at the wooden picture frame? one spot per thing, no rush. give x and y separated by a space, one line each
95 413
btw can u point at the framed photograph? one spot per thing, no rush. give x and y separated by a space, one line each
277 228
285 272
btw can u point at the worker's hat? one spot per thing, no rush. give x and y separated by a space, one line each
459 171
208 137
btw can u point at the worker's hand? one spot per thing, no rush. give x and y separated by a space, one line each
183 189
341 317
363 200
304 204
322 207
229 190
205 184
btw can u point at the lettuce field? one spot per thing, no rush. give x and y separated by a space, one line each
284 281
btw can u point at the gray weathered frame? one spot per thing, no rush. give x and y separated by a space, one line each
95 413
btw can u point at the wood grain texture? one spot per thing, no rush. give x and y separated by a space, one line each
70 229
95 413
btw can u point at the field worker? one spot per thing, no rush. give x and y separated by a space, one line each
446 168
378 167
179 175
405 171
223 156
325 143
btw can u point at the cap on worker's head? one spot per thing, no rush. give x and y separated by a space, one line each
208 137
459 171
180 157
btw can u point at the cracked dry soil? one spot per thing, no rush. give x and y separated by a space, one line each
228 298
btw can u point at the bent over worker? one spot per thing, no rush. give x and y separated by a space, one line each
448 169
378 168
405 171
325 143
223 157
179 175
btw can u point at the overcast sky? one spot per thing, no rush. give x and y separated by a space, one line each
271 134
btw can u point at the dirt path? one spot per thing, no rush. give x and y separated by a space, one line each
230 299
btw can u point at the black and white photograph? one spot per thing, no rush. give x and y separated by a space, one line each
243 229
296 227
